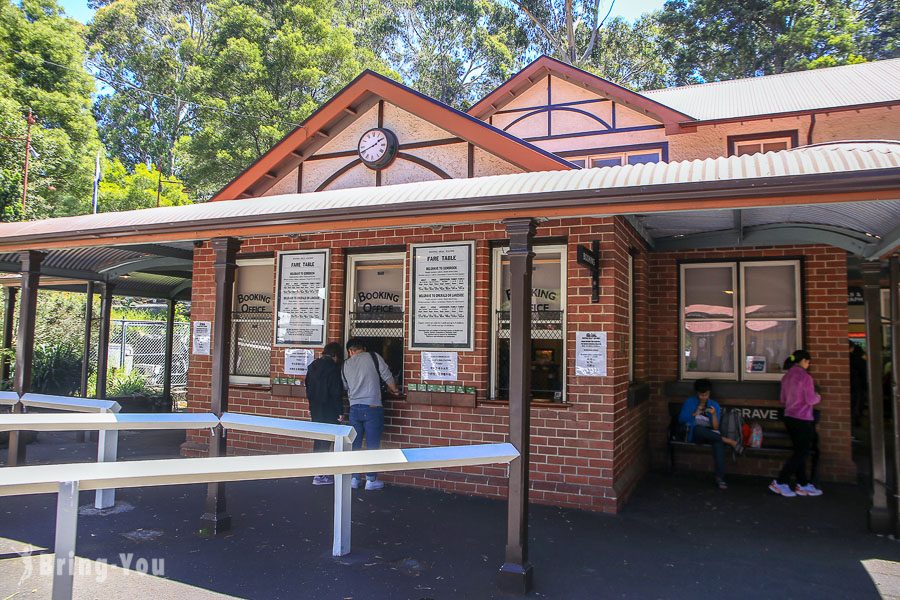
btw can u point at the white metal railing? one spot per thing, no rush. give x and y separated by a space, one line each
67 480
8 398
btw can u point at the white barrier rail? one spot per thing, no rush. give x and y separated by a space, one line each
68 479
341 435
106 421
8 398
69 403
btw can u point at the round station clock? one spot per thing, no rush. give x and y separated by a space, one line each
377 147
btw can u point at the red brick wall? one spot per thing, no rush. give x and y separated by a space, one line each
573 445
825 328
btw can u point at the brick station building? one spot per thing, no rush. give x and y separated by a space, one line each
729 218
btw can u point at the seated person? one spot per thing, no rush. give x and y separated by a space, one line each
701 414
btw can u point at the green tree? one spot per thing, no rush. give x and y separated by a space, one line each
121 190
42 68
147 53
881 35
629 54
268 67
565 29
710 40
454 50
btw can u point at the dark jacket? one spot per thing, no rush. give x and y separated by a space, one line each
324 390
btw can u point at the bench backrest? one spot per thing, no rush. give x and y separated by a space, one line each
766 414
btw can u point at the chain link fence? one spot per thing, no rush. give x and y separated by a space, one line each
140 346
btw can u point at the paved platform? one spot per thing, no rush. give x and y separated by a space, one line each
679 537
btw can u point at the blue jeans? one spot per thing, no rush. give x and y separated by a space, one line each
368 421
705 435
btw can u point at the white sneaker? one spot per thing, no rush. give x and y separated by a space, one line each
374 484
807 490
354 482
782 489
323 480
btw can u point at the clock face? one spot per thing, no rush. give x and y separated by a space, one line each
377 147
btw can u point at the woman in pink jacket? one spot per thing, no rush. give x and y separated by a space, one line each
798 395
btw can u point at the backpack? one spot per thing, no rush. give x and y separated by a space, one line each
756 435
732 424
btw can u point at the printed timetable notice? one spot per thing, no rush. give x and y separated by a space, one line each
442 308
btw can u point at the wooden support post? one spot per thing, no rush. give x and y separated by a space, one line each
31 274
879 515
517 572
106 299
895 379
86 347
215 519
9 315
167 356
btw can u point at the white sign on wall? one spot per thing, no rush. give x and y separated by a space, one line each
440 366
442 297
590 354
202 337
297 360
301 298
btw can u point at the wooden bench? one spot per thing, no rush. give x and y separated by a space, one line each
67 480
776 443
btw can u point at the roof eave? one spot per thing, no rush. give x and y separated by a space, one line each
638 197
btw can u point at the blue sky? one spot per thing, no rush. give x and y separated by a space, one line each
630 9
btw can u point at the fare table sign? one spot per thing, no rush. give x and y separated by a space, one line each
442 316
202 337
590 354
302 298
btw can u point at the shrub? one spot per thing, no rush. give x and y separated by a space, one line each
126 383
56 369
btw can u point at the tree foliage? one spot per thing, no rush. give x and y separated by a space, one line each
143 187
628 54
454 50
711 40
41 68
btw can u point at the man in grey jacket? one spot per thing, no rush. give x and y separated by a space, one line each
363 373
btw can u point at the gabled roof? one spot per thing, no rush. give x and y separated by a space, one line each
354 100
545 65
850 86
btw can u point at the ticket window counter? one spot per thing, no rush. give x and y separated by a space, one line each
548 301
375 305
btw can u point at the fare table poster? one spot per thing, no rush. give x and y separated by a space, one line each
302 298
202 337
590 354
442 316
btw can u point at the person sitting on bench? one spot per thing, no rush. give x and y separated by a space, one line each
700 414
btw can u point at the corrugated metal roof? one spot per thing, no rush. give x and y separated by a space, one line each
850 85
844 157
873 218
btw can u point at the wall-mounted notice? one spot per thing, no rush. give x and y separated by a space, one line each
301 298
440 366
442 315
202 337
590 354
297 360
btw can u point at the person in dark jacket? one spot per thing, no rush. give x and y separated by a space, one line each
325 390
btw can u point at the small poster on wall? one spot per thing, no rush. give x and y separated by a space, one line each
590 354
442 297
202 337
301 298
297 360
440 366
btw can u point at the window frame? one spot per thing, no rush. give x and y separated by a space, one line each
496 292
661 148
350 287
791 135
253 379
738 267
